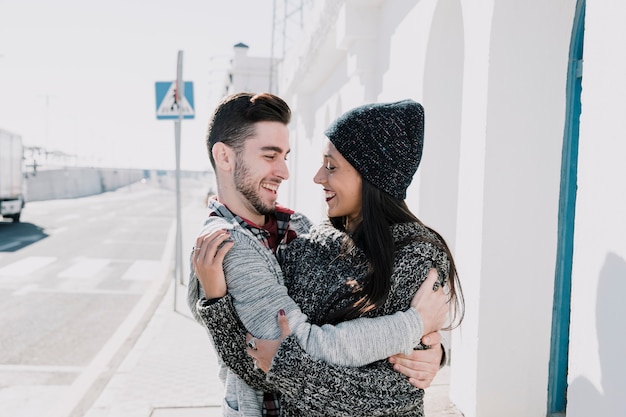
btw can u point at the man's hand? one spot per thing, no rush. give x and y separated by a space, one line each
421 366
432 306
208 256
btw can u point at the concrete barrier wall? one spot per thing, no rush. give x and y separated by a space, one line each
78 182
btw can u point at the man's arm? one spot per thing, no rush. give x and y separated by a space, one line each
421 366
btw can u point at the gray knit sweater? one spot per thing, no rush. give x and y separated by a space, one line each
316 275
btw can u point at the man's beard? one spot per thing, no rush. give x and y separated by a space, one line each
247 187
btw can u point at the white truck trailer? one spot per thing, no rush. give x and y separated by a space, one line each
12 182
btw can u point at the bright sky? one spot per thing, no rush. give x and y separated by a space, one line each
79 75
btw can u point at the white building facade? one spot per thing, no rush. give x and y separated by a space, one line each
522 173
249 73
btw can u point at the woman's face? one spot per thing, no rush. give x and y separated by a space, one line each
342 186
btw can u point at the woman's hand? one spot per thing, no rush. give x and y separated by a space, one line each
432 306
264 350
208 256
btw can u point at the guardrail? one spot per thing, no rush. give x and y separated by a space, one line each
78 182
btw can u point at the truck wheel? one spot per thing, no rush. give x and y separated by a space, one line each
16 217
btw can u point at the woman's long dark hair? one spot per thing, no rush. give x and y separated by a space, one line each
373 236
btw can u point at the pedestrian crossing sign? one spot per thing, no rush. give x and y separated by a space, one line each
167 103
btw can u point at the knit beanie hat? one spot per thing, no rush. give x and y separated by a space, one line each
383 142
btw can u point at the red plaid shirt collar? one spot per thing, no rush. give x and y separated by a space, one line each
279 233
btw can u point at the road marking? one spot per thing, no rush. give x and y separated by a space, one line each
41 368
37 289
84 390
80 275
129 242
26 266
143 270
84 268
68 217
26 289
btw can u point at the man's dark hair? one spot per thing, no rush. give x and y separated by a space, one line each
235 116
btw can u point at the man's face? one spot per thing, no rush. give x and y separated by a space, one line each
261 167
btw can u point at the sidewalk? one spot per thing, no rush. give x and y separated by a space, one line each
171 371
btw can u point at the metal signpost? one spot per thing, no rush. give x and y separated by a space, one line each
174 101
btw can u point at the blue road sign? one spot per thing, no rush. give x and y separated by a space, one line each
167 107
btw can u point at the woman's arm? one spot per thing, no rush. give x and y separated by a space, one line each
229 339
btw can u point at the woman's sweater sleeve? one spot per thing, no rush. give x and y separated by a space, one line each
318 388
229 339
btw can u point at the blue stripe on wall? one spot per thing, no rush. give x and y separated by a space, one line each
557 378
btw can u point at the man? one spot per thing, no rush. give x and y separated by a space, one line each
248 143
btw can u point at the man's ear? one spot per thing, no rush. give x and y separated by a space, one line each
224 156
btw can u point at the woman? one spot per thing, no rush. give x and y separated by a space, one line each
372 238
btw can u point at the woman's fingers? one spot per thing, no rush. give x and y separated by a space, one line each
209 253
283 323
263 351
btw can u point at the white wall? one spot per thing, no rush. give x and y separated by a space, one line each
470 215
597 367
492 77
529 46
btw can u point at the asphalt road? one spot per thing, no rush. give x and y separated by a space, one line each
77 280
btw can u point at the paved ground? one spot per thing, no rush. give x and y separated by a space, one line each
172 371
